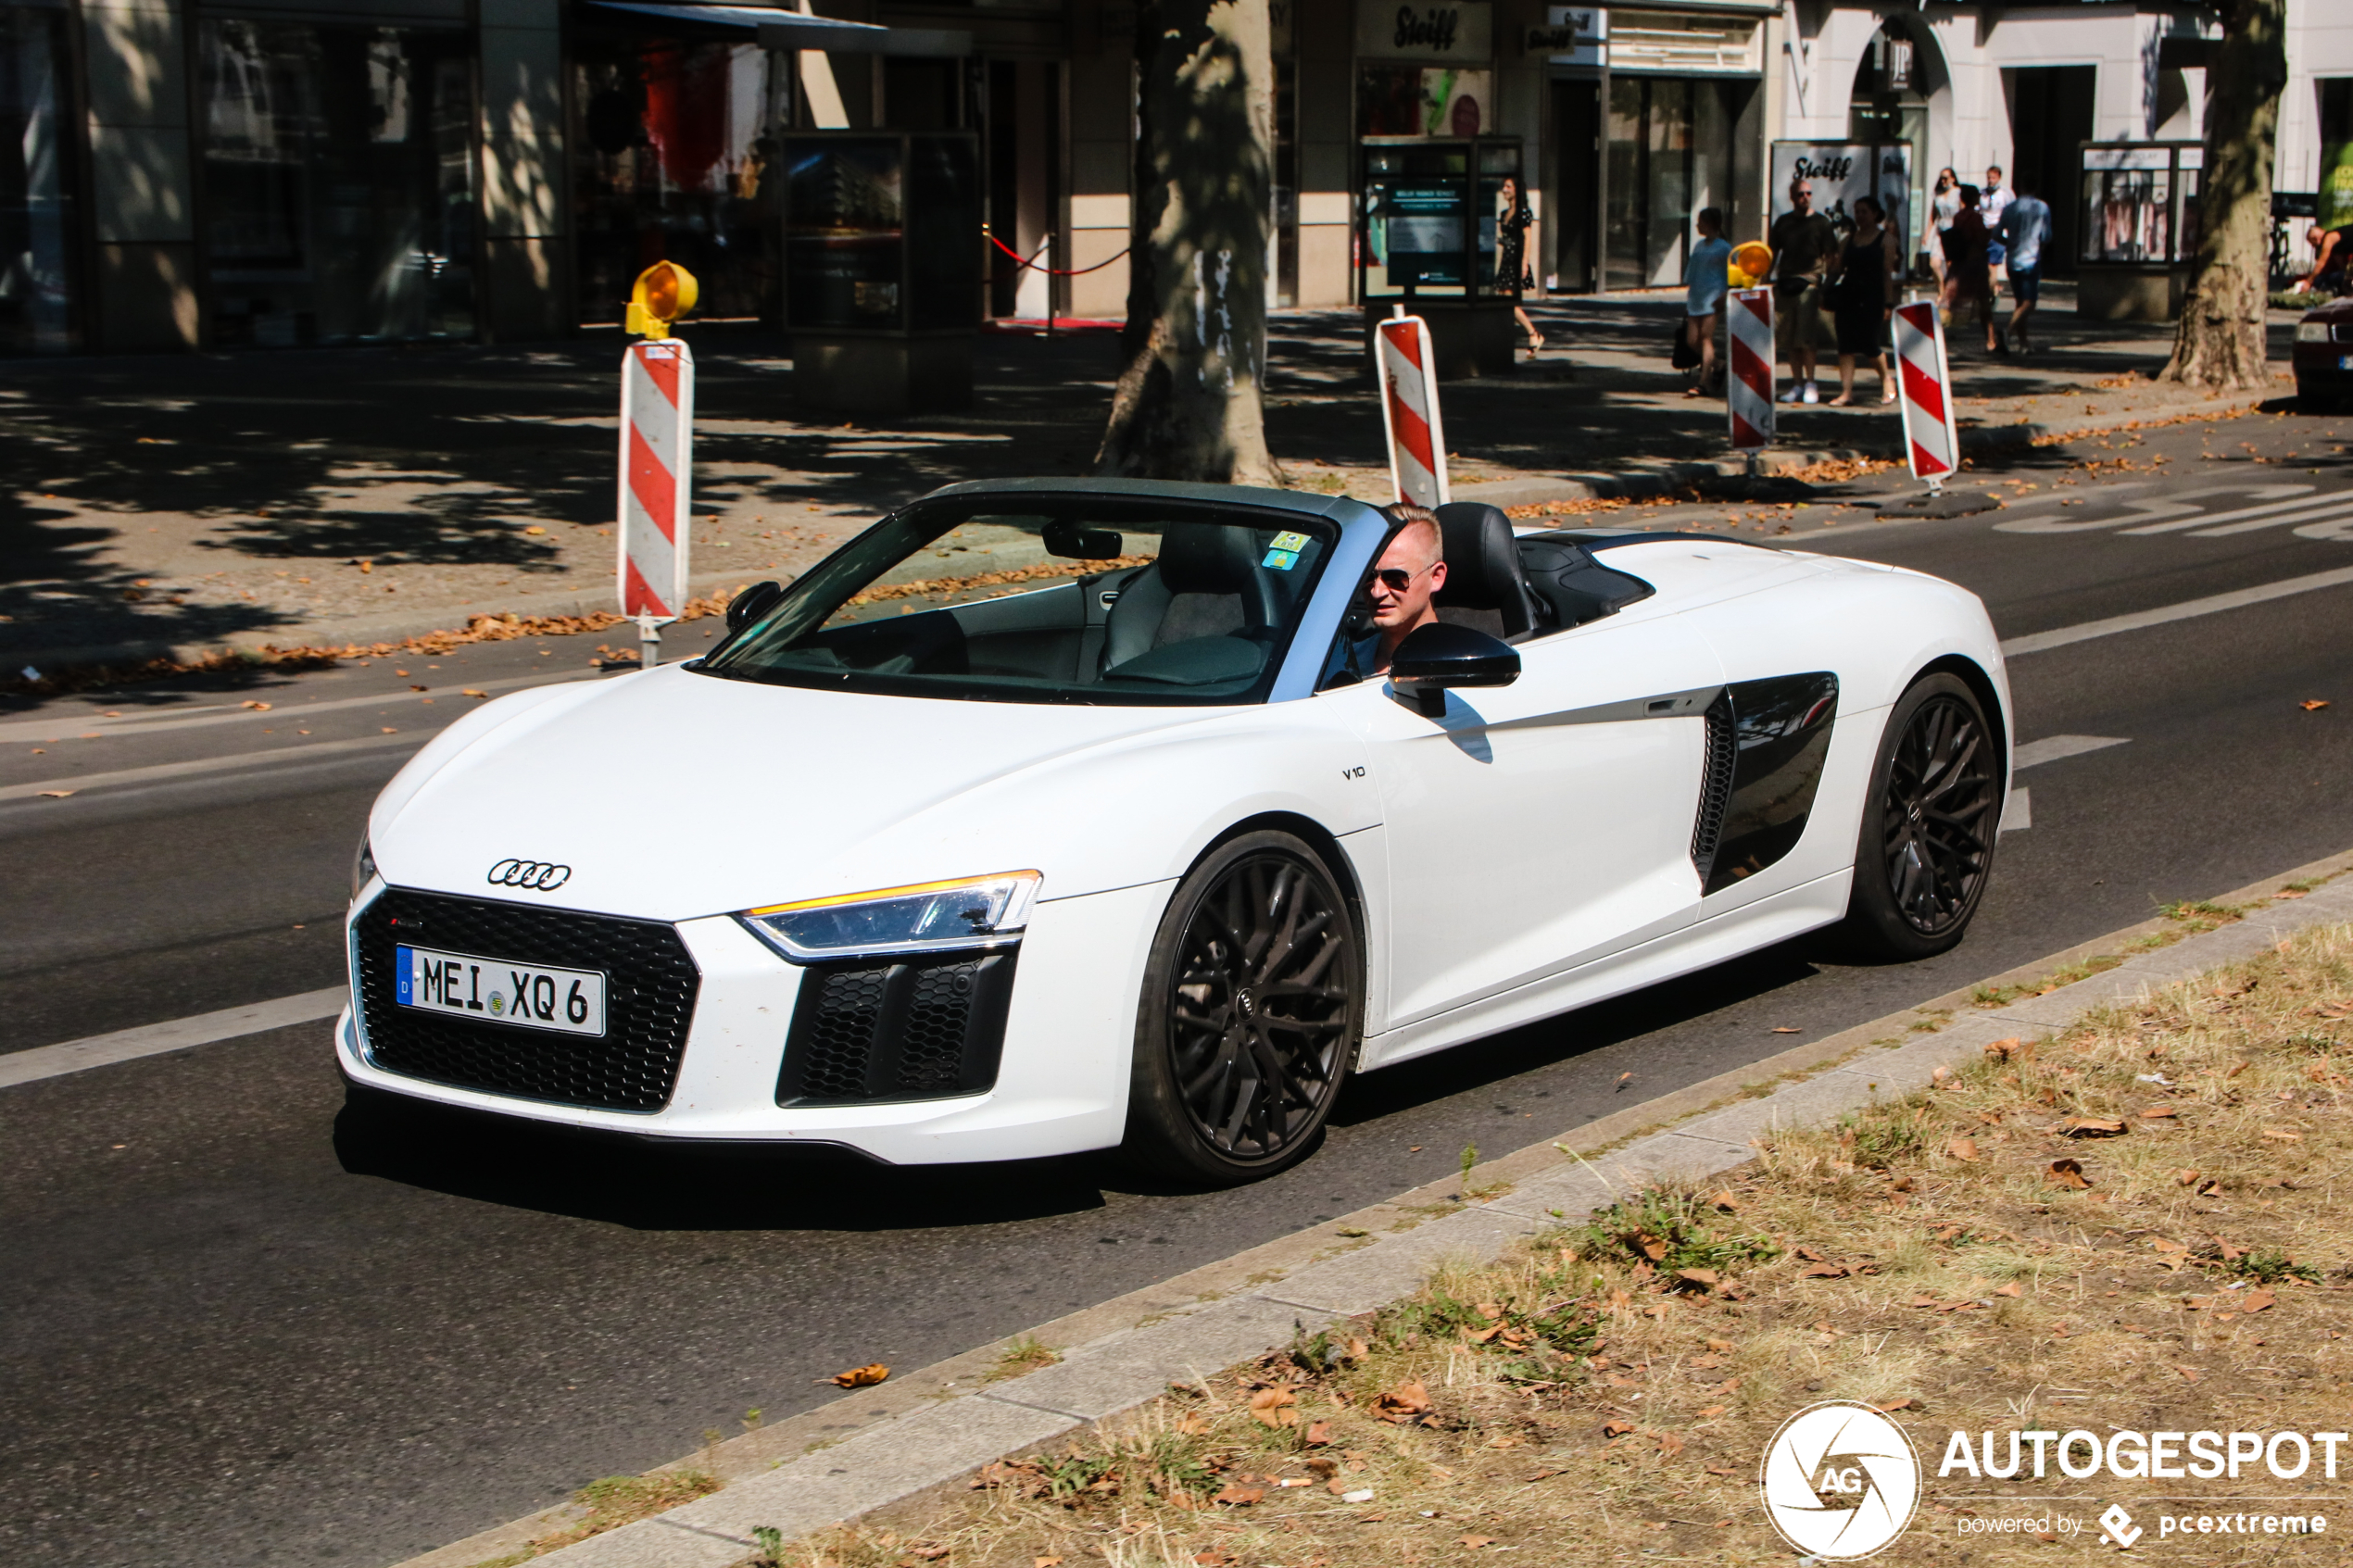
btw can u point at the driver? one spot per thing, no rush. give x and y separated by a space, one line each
1411 570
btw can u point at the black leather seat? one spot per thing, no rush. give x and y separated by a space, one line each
1485 587
1206 583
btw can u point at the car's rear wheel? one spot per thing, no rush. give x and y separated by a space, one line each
1929 824
1251 1010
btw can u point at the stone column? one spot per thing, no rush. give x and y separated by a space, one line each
526 289
140 187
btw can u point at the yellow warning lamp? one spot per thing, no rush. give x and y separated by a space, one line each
1748 265
661 293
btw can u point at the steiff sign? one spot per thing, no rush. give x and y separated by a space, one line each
1396 30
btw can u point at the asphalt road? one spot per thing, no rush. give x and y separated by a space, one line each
240 1331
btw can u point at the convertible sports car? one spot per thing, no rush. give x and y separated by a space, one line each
1056 815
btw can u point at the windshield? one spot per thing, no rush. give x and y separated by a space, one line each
1081 598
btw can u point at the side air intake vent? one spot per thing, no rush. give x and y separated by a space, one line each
916 1028
1714 787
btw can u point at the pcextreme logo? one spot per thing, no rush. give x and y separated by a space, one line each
1841 1481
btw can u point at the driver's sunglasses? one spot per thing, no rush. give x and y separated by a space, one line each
1396 579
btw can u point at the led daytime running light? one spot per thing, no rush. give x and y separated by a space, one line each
956 912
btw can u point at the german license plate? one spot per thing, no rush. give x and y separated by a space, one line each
494 991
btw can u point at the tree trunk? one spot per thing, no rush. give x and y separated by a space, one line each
2220 344
1188 405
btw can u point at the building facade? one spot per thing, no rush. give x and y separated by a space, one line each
257 174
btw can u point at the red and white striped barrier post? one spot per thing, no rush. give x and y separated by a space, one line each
1748 389
1924 384
1409 409
657 477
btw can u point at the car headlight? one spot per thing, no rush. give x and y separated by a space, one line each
973 912
363 865
2311 332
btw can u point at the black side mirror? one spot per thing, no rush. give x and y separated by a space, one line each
1073 541
1443 655
751 604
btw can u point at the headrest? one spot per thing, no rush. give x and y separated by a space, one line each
1482 565
1195 559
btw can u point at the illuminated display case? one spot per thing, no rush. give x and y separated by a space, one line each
1428 239
883 267
2139 206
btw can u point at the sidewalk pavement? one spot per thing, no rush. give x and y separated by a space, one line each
179 505
884 1444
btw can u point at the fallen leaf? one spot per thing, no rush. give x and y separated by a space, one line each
1475 1542
1826 1271
1045 1562
1670 1444
1616 1428
367 565
2093 1127
2313 704
1721 1470
1704 1278
1726 1202
2068 1173
1240 1495
1810 1254
1893 1405
1319 1433
388 729
2157 1113
256 707
534 528
473 691
1624 1079
1406 1403
860 1376
1784 1030
1273 1406
1962 1148
2190 1372
59 794
2257 1301
1710 1413
2236 1068
2001 1050
2013 1288
1900 1184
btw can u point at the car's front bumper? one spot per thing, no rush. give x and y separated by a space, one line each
1061 1084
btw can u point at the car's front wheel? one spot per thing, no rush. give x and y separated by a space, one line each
1927 840
1251 1010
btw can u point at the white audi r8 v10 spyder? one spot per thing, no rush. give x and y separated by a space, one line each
1048 816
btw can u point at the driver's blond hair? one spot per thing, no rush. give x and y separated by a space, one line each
1420 524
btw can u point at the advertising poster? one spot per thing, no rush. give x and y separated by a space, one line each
1839 171
2336 183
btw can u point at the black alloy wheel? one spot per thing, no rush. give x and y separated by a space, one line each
1251 1016
1929 825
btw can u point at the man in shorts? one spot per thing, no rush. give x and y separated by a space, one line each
1803 243
1993 200
2025 228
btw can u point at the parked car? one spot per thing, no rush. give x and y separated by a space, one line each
1049 816
2324 356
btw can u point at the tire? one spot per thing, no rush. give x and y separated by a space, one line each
1926 844
1255 981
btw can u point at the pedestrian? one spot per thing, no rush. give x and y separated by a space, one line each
1992 202
1966 282
1512 278
1803 244
1705 277
1945 203
2332 248
1863 289
2025 228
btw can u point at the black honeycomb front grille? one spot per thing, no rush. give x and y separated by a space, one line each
1716 785
650 1001
916 1028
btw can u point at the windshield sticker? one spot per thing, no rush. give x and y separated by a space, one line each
1291 542
1281 561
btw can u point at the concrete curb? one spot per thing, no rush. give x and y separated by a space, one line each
1641 483
879 1446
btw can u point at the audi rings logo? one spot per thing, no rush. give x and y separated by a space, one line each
1841 1481
537 877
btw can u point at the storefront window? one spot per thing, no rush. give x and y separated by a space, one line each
35 216
1669 153
339 190
675 153
2141 201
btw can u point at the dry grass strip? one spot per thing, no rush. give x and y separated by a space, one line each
1604 1394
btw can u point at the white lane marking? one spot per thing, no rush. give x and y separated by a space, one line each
2051 748
2060 637
2018 813
154 1039
2293 496
133 724
414 739
2336 508
2177 505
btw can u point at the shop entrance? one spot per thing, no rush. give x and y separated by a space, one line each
2050 120
1669 154
339 184
1577 129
